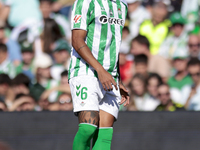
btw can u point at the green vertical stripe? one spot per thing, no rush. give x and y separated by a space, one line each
112 44
70 67
103 37
91 29
78 11
77 67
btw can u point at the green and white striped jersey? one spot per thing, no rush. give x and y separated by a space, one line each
103 20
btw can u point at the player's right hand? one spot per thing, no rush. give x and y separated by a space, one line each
106 80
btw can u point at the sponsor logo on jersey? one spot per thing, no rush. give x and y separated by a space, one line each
77 19
104 19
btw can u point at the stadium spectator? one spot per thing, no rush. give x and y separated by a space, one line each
139 99
177 41
6 93
46 10
21 84
50 34
26 66
42 65
156 29
13 46
20 11
6 66
125 62
137 14
191 93
23 103
141 65
141 45
3 107
167 103
194 46
153 81
180 78
64 103
64 78
61 55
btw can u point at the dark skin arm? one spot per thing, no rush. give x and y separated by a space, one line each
123 91
78 42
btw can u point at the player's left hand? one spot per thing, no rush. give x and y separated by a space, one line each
124 94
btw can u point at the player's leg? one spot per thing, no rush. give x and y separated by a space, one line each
84 91
88 122
103 136
108 113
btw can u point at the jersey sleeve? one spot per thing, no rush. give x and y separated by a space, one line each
81 12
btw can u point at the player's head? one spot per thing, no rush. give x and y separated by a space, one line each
139 45
46 8
141 64
3 52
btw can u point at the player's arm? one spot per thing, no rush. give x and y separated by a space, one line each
123 91
78 43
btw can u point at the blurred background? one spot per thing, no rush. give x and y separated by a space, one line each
159 61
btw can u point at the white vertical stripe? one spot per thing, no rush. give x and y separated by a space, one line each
123 9
86 4
97 31
106 62
117 36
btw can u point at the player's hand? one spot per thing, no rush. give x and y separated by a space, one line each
124 94
106 80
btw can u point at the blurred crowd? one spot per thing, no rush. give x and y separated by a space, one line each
159 56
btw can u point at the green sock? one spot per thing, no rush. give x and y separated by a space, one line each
104 139
84 136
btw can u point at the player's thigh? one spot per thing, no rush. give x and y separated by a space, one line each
106 119
91 117
109 108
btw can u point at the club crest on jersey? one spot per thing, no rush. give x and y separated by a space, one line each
119 11
104 19
77 19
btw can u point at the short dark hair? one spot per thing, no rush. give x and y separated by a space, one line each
142 40
21 79
5 79
50 1
141 59
193 62
23 95
64 73
3 47
163 84
155 75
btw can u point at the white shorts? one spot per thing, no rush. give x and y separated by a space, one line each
88 94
